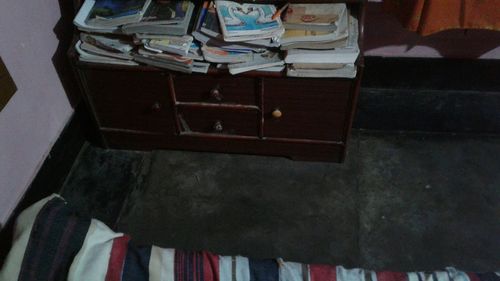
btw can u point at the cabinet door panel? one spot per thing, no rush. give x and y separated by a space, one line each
131 100
306 108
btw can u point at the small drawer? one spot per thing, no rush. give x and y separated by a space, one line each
228 121
206 89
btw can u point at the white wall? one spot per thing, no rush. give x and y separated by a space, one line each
34 117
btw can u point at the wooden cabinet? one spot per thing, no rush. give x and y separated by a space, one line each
142 107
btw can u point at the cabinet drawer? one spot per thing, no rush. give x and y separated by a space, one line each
207 89
306 108
243 122
130 100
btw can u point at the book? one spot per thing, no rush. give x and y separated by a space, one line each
176 45
346 55
278 68
217 55
342 43
116 12
263 60
80 20
318 65
317 17
347 71
292 36
111 44
93 58
163 60
89 48
164 17
200 67
209 33
256 20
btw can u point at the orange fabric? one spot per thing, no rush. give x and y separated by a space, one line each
430 16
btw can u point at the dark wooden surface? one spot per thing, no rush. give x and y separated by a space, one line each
233 121
311 108
314 151
202 88
130 100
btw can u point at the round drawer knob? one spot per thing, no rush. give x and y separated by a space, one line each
277 113
218 126
216 94
156 107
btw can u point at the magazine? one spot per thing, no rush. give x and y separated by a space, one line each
319 17
164 17
209 33
302 35
116 12
263 60
247 19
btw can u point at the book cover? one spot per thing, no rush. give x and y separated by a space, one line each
239 19
210 24
166 11
314 14
116 8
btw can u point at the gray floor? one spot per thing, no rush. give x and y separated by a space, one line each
400 202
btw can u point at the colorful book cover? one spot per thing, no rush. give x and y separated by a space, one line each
210 22
319 14
247 17
173 11
116 8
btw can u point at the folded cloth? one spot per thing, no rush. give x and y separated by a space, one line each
51 242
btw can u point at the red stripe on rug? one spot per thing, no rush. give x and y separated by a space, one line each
473 276
321 272
391 276
210 267
117 258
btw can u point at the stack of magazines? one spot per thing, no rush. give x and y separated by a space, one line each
312 40
320 40
139 31
240 36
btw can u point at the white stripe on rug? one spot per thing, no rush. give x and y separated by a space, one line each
161 264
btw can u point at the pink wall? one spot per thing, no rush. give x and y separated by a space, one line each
36 114
384 36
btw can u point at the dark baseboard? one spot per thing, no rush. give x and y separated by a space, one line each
432 74
52 174
436 95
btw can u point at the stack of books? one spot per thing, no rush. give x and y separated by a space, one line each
321 40
240 35
139 31
105 49
316 40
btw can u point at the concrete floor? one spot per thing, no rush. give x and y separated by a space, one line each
400 202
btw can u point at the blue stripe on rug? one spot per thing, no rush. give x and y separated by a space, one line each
56 237
263 270
489 276
136 266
